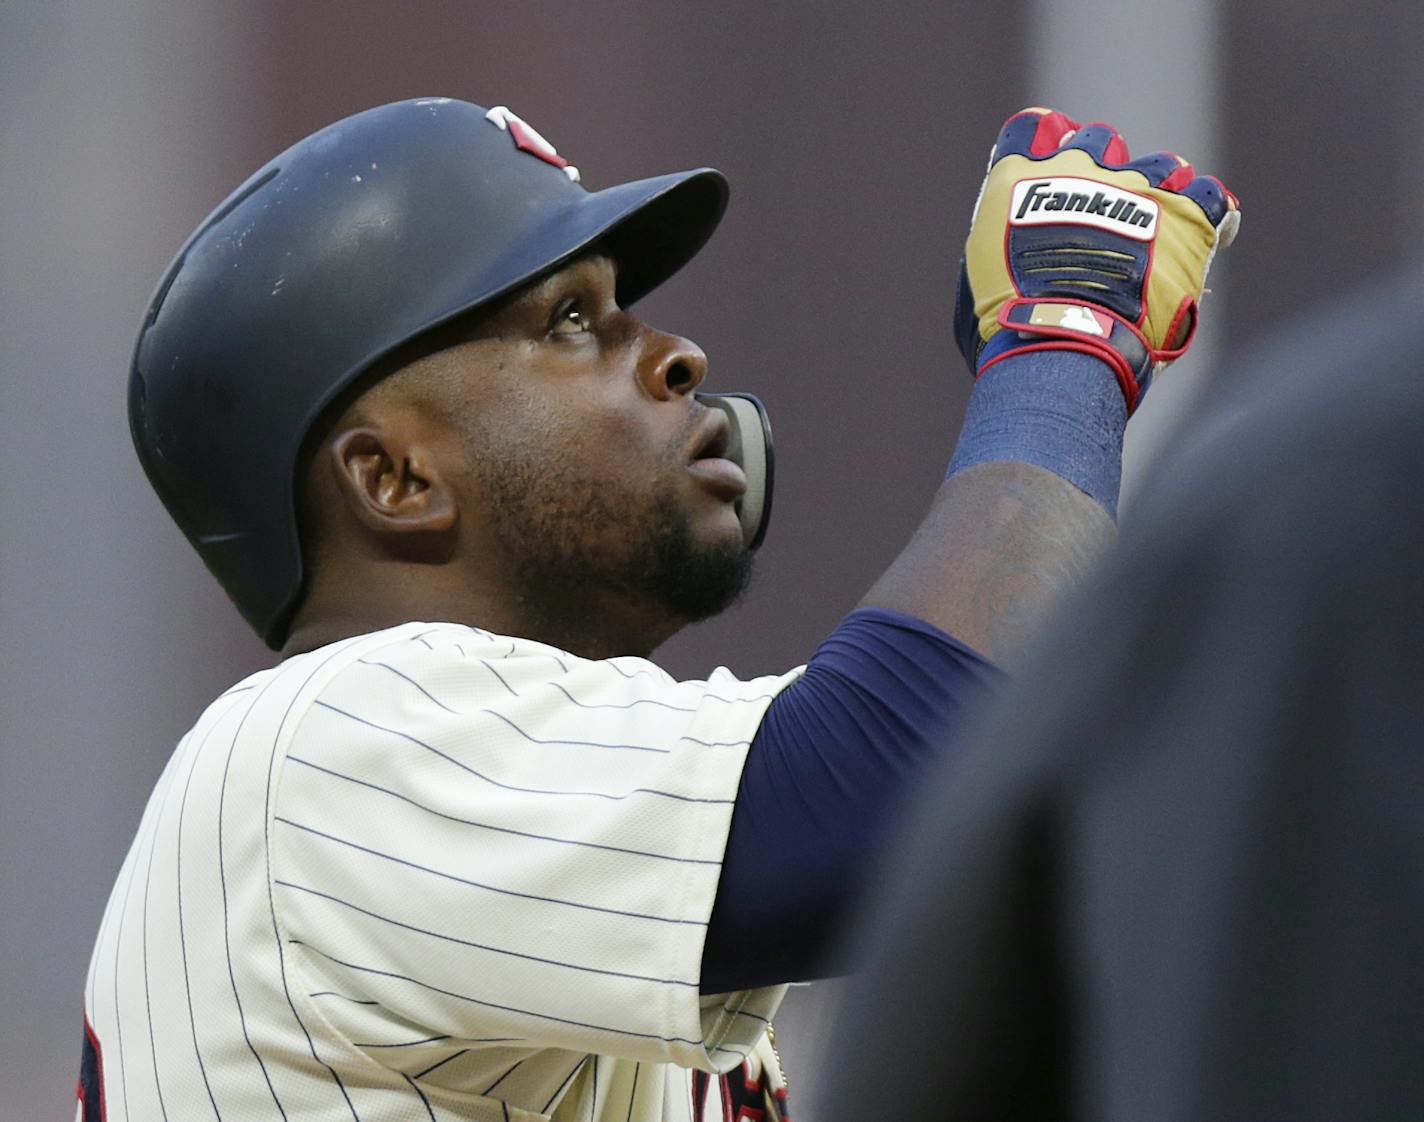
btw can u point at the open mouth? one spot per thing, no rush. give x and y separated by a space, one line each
713 443
709 462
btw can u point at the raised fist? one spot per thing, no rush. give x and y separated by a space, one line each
1074 245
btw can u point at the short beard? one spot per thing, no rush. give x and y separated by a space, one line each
577 553
695 581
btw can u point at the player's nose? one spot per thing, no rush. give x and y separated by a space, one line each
671 365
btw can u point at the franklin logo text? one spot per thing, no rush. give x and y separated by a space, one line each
1062 199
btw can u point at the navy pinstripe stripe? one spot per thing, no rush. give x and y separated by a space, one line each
333 993
118 1013
552 1098
487 887
628 705
426 1102
222 880
492 1004
442 1063
482 946
715 743
401 1043
559 743
156 809
147 992
182 935
639 673
741 1012
633 1095
510 830
664 704
495 782
408 678
500 677
508 1072
267 861
461 1052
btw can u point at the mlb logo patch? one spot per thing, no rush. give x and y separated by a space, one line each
1073 317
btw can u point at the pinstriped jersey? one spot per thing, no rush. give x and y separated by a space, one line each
425 875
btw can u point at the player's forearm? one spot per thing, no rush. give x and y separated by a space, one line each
1001 542
1028 503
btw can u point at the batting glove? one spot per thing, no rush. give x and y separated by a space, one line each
1072 245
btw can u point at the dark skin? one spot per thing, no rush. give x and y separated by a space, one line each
549 474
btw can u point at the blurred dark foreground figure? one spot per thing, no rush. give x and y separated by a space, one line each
1178 874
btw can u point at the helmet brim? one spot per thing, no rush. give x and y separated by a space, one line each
650 227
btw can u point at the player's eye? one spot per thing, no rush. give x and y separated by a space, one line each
569 319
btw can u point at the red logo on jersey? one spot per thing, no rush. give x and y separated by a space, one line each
527 139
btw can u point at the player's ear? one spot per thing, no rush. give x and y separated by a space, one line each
391 482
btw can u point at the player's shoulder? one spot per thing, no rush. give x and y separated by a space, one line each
467 665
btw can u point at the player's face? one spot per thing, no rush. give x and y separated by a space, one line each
598 472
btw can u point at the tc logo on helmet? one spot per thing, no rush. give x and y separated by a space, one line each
527 139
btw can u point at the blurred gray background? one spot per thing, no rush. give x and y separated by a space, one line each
854 136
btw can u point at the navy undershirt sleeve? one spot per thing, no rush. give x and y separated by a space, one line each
835 757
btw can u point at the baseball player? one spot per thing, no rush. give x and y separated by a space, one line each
465 852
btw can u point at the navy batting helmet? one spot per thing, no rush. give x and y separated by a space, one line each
348 245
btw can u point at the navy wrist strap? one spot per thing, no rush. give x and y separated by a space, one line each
1059 409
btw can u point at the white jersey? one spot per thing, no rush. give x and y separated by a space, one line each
432 874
